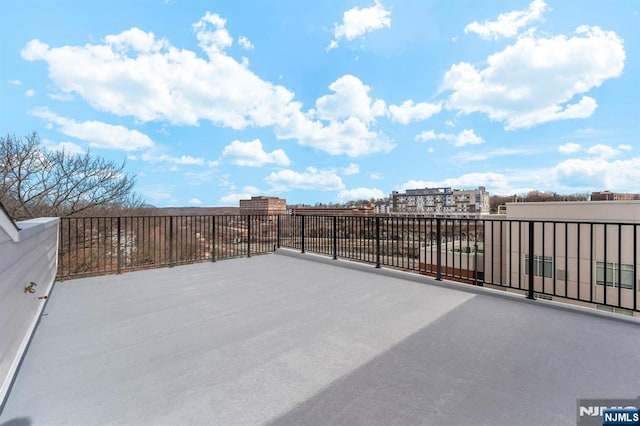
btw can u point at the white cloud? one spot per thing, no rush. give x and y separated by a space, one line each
136 40
197 178
188 160
569 148
508 24
30 93
252 154
465 137
310 179
136 74
350 99
410 111
245 43
538 79
350 137
356 22
360 194
351 169
62 97
376 176
152 156
603 151
343 124
450 123
598 173
14 82
625 147
96 133
466 157
195 202
234 198
69 147
212 36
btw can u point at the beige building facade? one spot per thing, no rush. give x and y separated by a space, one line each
584 252
262 205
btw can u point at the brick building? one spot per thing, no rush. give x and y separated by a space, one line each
613 196
262 205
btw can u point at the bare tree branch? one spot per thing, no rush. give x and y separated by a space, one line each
37 182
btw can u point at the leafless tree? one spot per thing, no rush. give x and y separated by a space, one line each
38 182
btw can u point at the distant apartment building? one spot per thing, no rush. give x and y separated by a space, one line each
613 196
262 205
383 207
441 202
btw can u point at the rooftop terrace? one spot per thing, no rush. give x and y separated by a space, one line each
297 339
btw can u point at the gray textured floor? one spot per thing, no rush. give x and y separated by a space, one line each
289 341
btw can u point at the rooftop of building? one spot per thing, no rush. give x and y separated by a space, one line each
301 339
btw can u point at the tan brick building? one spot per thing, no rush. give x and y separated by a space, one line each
262 205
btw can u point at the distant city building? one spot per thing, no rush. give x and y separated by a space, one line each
613 196
332 211
383 207
263 206
441 202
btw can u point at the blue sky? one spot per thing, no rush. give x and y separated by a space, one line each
213 101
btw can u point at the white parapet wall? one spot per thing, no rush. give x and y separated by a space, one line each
28 254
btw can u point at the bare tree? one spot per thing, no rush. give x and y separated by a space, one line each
37 182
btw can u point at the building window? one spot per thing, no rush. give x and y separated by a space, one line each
542 266
609 273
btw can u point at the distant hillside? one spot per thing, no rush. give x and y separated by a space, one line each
184 211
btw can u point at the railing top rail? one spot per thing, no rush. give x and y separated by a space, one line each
381 216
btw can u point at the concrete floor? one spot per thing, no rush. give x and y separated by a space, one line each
289 341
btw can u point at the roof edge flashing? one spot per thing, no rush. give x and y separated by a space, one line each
8 225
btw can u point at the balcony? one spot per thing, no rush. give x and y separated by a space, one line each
296 337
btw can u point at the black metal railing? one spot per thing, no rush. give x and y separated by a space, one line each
105 245
587 262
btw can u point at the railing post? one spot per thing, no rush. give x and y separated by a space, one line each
213 238
302 233
531 261
475 263
170 241
248 235
438 251
378 242
278 232
118 251
335 237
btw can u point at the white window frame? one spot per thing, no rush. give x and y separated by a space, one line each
611 276
542 266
